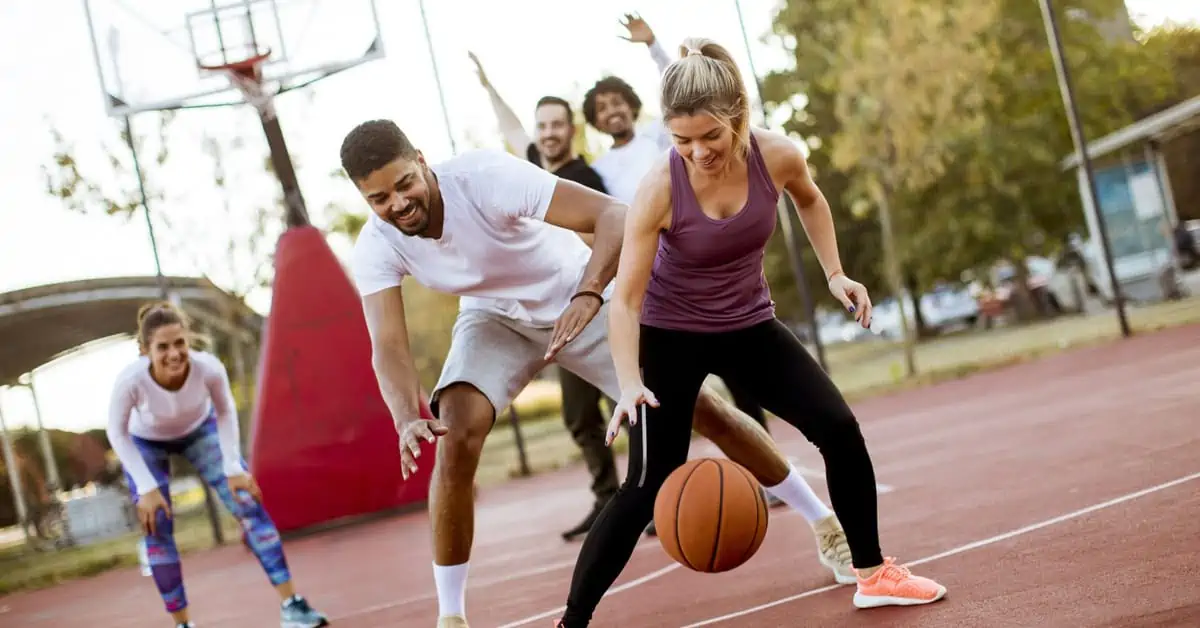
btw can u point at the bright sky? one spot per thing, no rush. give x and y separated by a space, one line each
529 47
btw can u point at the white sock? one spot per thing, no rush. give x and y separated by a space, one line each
795 492
451 589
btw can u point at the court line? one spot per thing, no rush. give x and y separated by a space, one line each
969 546
624 587
480 583
628 585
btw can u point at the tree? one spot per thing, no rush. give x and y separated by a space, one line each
811 31
1004 194
1180 46
997 190
905 74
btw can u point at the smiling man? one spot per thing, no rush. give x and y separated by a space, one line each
481 226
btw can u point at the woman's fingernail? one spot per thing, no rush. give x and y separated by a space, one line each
851 308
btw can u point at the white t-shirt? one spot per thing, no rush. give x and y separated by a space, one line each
624 167
495 253
142 408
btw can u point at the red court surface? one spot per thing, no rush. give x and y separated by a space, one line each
1059 493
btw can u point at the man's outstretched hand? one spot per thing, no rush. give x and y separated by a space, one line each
579 313
412 432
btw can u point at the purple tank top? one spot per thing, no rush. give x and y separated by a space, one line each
708 274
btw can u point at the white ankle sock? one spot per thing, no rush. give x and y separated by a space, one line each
795 492
451 583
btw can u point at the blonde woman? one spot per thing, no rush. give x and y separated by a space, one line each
691 300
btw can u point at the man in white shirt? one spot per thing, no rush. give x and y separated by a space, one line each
497 231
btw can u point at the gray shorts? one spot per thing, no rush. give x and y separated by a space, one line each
500 356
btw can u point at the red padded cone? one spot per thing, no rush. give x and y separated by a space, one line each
323 445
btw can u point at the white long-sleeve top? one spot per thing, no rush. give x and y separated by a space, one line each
140 407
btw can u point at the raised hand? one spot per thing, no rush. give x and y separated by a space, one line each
639 30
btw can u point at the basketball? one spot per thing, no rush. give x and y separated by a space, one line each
710 515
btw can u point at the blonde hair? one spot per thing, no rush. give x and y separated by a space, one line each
706 79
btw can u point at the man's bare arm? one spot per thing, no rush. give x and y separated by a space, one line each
391 355
586 211
510 125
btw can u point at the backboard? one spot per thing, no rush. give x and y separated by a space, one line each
149 53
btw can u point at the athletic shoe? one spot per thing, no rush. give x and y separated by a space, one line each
187 625
894 585
452 621
584 525
296 613
832 549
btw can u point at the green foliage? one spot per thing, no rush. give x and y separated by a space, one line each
1180 46
82 193
810 30
962 101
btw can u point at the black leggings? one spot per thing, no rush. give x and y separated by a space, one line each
770 363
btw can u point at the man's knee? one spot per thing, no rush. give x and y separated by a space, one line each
469 415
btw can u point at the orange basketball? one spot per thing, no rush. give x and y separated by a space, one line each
710 515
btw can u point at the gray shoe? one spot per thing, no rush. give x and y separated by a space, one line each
296 613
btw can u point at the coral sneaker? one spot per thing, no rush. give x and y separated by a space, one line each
894 585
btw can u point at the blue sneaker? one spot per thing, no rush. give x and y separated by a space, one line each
296 613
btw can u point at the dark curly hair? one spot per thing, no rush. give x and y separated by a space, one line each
373 145
610 85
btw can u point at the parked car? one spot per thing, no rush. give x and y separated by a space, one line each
1056 286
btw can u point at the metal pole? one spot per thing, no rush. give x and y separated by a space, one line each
137 169
52 475
14 478
786 209
114 44
1085 162
519 438
437 78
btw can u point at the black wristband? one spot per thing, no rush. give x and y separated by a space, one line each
588 293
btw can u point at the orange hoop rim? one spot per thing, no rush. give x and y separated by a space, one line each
245 67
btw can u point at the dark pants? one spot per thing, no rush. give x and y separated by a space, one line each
587 423
765 360
745 401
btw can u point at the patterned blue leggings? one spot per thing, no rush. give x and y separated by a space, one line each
203 450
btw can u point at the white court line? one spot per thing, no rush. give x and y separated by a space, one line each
628 585
969 546
483 582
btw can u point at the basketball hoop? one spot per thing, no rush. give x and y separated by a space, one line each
246 76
